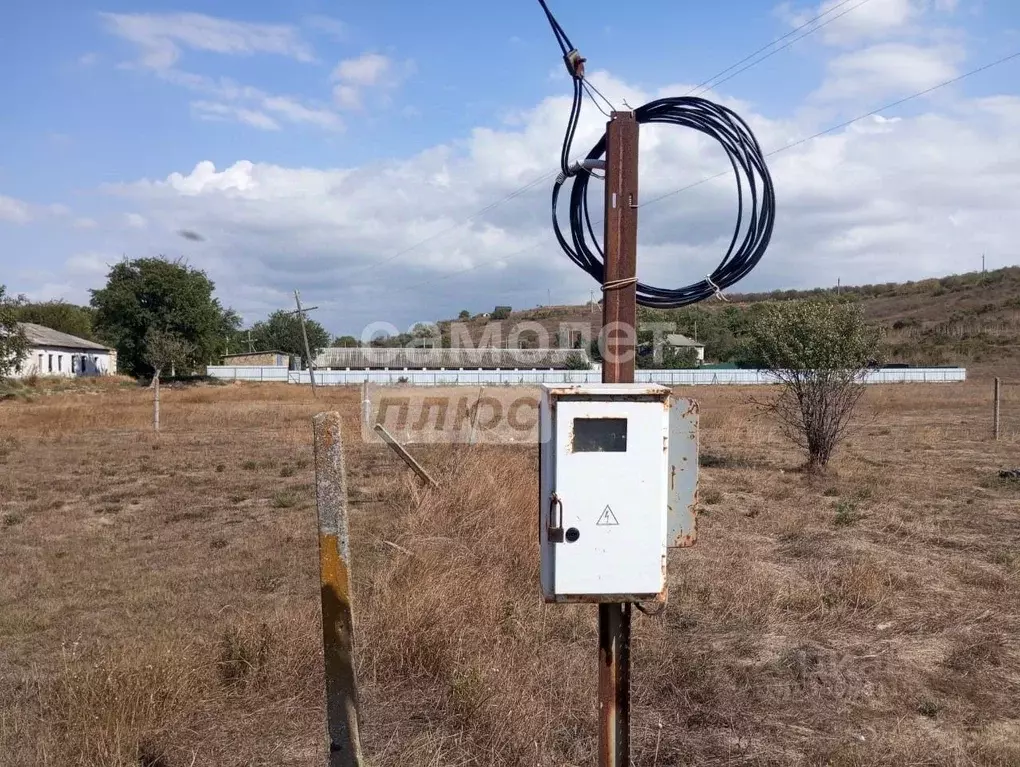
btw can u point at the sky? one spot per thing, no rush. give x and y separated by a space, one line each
354 151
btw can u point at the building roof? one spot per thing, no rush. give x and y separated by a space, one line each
40 335
676 339
432 359
253 354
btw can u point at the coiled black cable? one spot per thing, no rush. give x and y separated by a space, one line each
748 163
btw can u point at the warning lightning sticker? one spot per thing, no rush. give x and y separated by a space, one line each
607 518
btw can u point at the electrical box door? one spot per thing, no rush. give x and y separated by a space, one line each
604 486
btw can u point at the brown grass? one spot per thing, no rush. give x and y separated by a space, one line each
159 598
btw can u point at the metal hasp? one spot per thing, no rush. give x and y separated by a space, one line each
619 314
337 609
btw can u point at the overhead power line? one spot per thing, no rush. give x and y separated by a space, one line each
784 148
590 88
714 82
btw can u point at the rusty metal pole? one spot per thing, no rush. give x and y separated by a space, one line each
619 327
335 577
995 412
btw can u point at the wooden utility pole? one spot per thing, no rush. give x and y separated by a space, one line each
619 328
304 334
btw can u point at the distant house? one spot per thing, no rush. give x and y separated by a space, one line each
678 341
259 359
52 353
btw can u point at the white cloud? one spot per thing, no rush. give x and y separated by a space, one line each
847 24
160 39
135 221
293 110
14 211
347 97
215 111
889 198
84 222
162 36
80 272
889 69
370 71
327 25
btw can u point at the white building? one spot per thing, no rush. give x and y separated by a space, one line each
52 353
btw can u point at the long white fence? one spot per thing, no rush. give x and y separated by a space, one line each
533 377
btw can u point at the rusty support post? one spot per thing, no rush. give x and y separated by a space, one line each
995 410
619 321
337 610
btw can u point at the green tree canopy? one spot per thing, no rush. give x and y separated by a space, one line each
282 332
348 342
59 315
13 344
163 295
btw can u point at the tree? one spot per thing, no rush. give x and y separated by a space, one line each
282 332
344 342
59 315
164 350
13 344
158 294
819 351
464 315
678 357
577 361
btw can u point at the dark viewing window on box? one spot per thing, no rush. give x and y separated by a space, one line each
600 435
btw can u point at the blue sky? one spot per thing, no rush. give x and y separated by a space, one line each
342 133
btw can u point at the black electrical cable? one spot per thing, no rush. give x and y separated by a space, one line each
575 66
748 163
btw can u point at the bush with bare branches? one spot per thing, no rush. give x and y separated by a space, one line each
819 351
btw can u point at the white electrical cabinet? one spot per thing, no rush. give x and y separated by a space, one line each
605 486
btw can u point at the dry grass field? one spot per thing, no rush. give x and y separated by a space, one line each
159 598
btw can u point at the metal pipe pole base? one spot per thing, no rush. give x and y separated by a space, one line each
614 685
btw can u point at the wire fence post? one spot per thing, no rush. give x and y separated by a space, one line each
996 406
335 577
155 404
619 327
366 404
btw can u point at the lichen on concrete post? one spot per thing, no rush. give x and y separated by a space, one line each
337 608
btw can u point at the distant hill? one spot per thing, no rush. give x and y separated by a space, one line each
968 319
